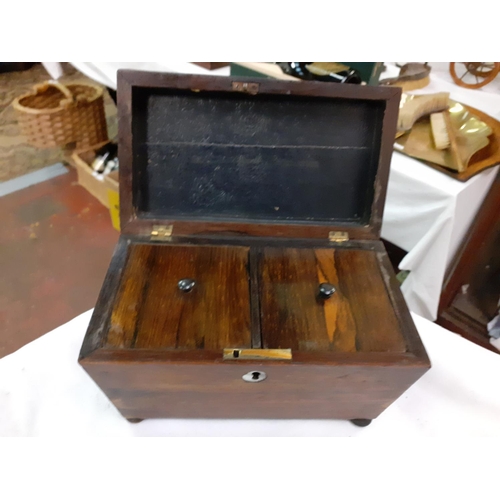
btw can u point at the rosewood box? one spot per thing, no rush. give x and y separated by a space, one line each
249 280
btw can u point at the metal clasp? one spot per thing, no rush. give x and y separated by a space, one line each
338 236
161 233
275 354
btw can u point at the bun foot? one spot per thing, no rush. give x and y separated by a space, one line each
135 420
361 422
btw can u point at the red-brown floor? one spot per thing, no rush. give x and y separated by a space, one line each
56 242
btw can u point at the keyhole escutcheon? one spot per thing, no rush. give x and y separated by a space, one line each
255 376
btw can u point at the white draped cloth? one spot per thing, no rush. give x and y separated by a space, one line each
45 392
427 213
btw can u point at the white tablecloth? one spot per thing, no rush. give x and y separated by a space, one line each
427 213
105 72
44 392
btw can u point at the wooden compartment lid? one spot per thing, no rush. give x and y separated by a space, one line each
208 154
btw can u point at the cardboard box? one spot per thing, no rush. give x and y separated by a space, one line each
95 186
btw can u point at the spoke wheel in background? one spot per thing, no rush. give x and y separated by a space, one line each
474 75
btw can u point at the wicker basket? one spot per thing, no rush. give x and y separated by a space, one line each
69 115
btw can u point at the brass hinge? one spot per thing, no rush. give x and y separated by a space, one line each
161 233
248 87
338 236
256 354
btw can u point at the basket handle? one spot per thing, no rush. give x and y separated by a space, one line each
59 86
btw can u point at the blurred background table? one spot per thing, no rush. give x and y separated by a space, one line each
427 213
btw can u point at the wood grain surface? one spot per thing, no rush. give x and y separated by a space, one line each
256 280
361 367
151 312
155 389
359 316
285 311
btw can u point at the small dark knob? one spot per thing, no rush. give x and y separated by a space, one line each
186 284
326 290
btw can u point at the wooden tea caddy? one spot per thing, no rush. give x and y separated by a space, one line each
249 280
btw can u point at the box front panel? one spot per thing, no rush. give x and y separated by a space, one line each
158 307
218 390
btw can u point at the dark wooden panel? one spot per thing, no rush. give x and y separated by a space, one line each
151 389
359 317
151 312
221 228
471 290
269 241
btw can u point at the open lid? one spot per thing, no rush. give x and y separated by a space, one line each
260 157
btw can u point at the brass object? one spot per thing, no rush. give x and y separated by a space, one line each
467 124
161 233
470 132
456 157
325 68
248 87
338 236
269 354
